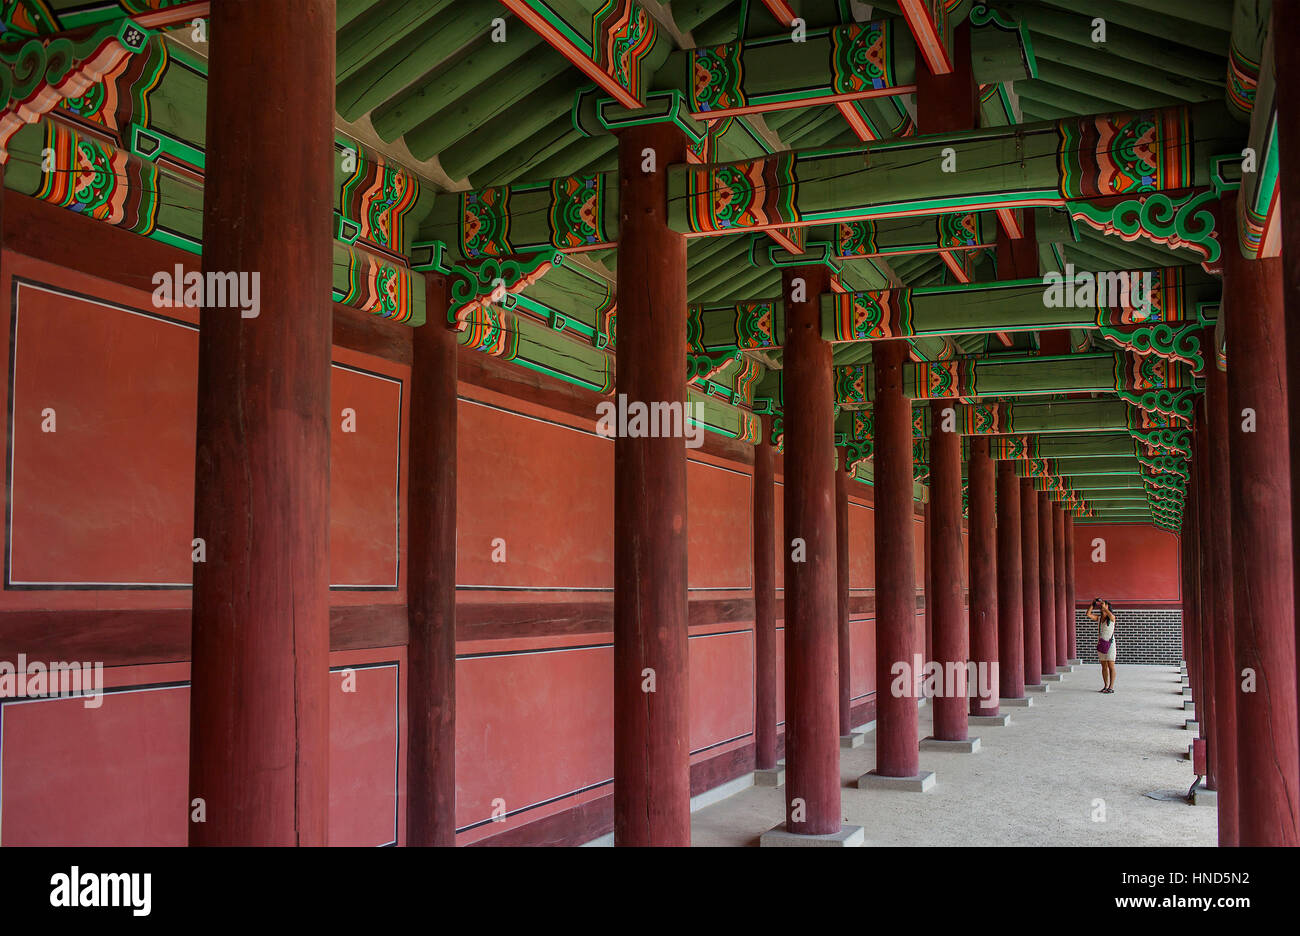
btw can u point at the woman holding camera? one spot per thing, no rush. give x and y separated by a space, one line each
1105 618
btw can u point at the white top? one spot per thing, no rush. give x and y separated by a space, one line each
1106 629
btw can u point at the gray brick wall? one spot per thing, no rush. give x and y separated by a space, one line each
1142 635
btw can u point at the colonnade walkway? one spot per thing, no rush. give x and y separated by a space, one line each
1037 781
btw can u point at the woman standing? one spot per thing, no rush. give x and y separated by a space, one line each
1105 618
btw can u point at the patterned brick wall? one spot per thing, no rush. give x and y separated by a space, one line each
1141 635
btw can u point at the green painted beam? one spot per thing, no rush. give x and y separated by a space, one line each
1037 164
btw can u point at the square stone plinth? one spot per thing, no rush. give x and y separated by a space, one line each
856 739
1203 797
1026 702
1189 706
918 784
770 777
1192 725
1187 692
849 836
968 746
1190 746
997 721
1039 689
1067 668
1051 677
1076 662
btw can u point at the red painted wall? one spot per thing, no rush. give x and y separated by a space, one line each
102 518
1141 564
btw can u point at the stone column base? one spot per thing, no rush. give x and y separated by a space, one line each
849 836
918 784
968 746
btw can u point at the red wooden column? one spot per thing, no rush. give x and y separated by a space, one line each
1046 586
1029 580
897 754
259 698
951 638
812 749
431 578
1011 598
652 788
1071 641
983 570
1268 751
1220 518
765 600
1190 548
1217 432
1058 553
842 478
1286 63
1208 540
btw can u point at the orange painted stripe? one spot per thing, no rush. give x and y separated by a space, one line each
551 37
855 121
927 36
1011 223
781 10
957 269
805 102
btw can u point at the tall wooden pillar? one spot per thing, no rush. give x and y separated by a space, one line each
1189 562
259 698
1011 598
812 749
1268 764
1071 637
842 478
1046 586
1286 63
983 568
951 638
1058 554
652 788
1029 582
1208 540
431 578
1218 429
897 754
765 600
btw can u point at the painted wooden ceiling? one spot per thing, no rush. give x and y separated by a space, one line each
426 89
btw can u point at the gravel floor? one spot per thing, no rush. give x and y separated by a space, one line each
1072 770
